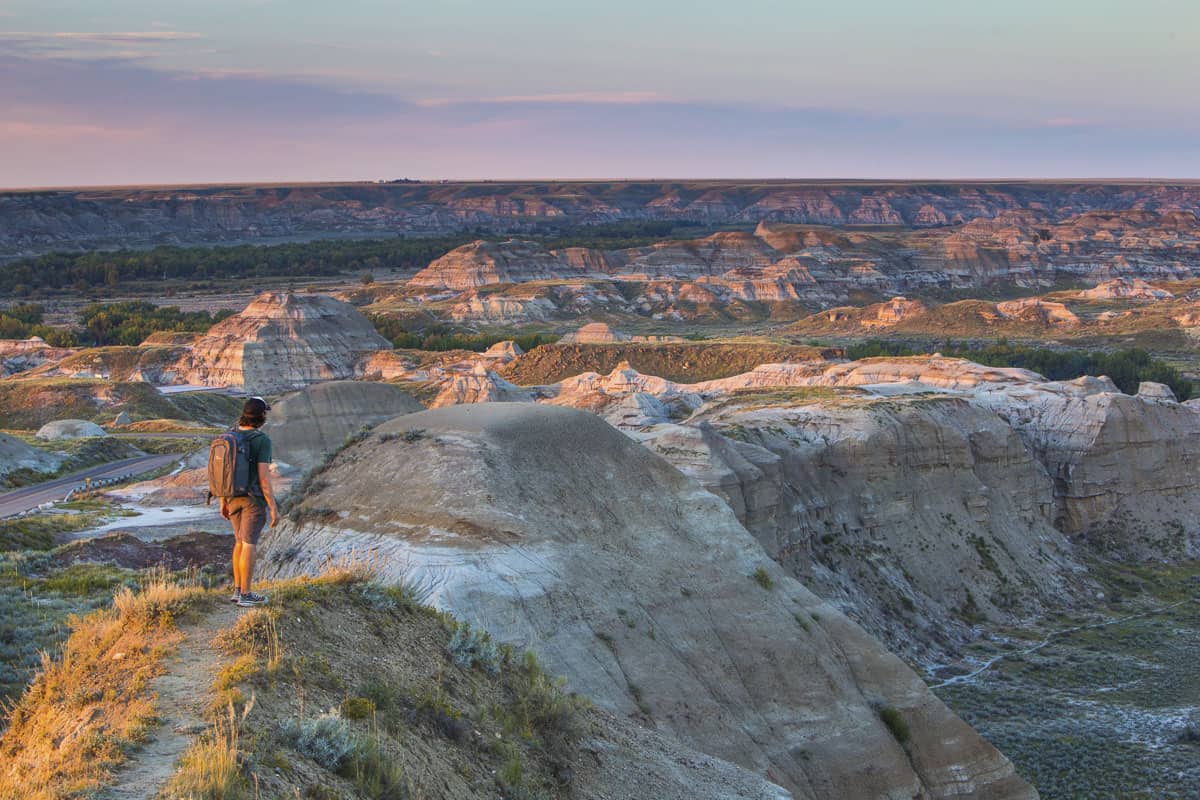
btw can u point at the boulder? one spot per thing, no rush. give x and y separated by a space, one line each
69 429
306 425
15 455
555 532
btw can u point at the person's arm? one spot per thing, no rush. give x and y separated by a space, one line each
264 479
225 507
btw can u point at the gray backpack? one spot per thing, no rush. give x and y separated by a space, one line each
229 464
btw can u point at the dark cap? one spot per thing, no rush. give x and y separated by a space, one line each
256 406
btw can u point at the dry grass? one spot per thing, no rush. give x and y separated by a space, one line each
82 712
209 769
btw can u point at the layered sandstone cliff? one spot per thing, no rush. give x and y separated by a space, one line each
780 263
282 341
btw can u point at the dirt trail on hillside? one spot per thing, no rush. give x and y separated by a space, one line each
183 695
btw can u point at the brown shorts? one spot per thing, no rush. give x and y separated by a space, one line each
248 519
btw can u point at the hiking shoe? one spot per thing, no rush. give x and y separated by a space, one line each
250 599
236 597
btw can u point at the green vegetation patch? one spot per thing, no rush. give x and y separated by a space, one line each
687 362
36 602
441 339
151 270
1106 708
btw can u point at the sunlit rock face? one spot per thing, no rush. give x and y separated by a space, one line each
482 263
555 531
1125 469
282 341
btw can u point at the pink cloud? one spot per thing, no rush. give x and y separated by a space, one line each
596 98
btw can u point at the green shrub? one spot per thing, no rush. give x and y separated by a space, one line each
357 708
374 772
763 579
895 723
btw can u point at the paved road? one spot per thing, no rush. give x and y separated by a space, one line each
164 435
30 497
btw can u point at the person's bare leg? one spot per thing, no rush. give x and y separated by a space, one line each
237 566
247 561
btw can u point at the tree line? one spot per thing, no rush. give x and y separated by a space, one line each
82 272
149 269
103 324
1126 368
441 339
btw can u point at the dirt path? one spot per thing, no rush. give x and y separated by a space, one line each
991 662
183 694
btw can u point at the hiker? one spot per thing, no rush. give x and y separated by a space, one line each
239 474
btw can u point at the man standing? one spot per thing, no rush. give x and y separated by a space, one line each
248 514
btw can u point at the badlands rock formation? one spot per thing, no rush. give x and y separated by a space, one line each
556 532
1124 467
503 352
282 341
479 384
923 494
1125 289
306 425
601 333
918 516
1121 467
906 375
594 333
69 429
33 222
482 263
788 263
18 355
1037 310
149 363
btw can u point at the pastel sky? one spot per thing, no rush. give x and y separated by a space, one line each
165 91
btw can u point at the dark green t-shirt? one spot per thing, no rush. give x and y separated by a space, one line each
260 453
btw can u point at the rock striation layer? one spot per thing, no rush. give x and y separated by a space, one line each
554 531
282 341
1124 468
781 263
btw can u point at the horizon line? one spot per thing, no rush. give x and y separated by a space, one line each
475 181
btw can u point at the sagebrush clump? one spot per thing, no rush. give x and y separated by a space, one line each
326 739
473 647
